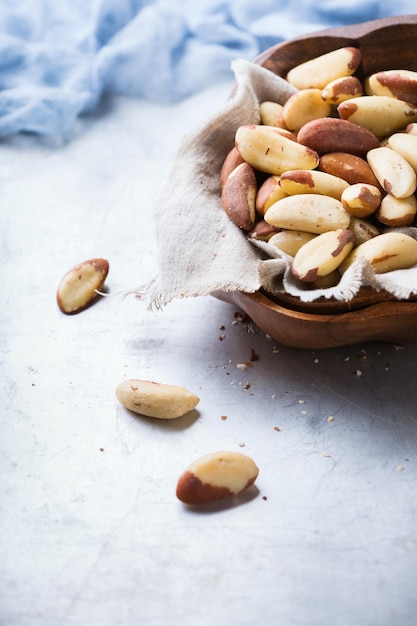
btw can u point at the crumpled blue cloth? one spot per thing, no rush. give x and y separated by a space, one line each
59 57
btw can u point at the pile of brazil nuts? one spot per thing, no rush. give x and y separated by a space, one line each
330 176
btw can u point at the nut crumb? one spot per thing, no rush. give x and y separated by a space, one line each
358 373
325 455
274 395
400 468
277 428
242 444
330 418
241 366
224 418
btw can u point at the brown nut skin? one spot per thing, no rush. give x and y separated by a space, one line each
216 476
232 160
269 192
351 167
335 135
342 89
262 231
78 288
361 200
400 84
238 196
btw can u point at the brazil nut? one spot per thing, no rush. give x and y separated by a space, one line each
322 255
386 252
308 212
268 150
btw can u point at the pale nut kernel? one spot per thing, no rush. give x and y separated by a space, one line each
393 172
361 200
302 107
269 192
362 229
268 150
79 287
154 399
351 167
270 113
322 255
400 84
321 70
238 196
313 181
290 241
331 134
387 252
342 89
216 476
395 212
406 145
381 115
325 282
311 213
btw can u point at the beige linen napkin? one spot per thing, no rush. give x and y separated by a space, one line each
200 250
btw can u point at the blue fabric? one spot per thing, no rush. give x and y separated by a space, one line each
58 57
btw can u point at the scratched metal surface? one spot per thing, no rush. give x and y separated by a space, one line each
91 531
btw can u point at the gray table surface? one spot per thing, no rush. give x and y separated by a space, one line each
91 530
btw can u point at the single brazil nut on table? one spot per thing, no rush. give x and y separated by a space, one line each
79 287
216 476
154 399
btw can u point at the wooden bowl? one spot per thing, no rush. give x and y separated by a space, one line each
385 44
